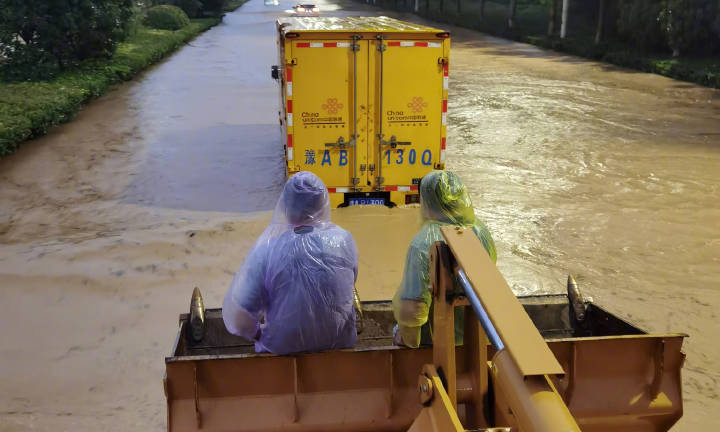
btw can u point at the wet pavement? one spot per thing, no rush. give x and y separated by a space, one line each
577 167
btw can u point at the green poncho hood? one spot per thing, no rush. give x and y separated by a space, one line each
444 198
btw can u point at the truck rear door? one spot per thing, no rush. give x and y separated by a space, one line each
411 110
329 91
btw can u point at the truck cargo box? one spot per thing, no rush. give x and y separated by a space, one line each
364 104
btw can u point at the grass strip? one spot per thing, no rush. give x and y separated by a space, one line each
30 109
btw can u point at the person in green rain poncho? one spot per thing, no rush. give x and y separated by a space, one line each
444 201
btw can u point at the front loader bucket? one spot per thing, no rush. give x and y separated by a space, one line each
617 377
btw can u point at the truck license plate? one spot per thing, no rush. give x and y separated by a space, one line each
366 201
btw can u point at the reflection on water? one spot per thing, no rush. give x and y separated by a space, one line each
236 168
210 121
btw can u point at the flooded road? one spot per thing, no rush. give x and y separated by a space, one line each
108 223
210 122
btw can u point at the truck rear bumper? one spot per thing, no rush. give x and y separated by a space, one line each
391 198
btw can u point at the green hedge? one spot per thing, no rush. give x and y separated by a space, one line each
29 109
166 17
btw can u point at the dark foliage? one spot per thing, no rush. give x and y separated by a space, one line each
641 34
39 38
166 17
213 7
690 26
638 24
192 8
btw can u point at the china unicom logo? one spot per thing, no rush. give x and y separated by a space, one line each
332 106
417 104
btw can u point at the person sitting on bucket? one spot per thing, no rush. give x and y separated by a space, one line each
444 200
294 291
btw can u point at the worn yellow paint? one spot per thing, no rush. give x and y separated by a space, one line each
512 323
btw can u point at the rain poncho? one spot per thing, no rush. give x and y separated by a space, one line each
444 200
294 292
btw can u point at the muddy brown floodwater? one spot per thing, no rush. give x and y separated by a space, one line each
108 223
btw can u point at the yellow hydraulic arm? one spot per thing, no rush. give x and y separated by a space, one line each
524 398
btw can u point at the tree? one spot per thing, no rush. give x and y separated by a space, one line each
40 37
563 24
213 7
190 7
600 22
638 24
482 9
512 9
552 17
688 25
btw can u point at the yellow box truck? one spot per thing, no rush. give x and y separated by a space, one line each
364 104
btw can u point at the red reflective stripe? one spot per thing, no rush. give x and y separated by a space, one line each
413 188
446 70
444 105
393 43
288 74
442 143
331 190
289 142
289 106
421 44
391 188
330 44
303 45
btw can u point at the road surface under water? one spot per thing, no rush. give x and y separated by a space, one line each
108 222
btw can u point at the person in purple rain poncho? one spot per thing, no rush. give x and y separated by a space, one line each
294 292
